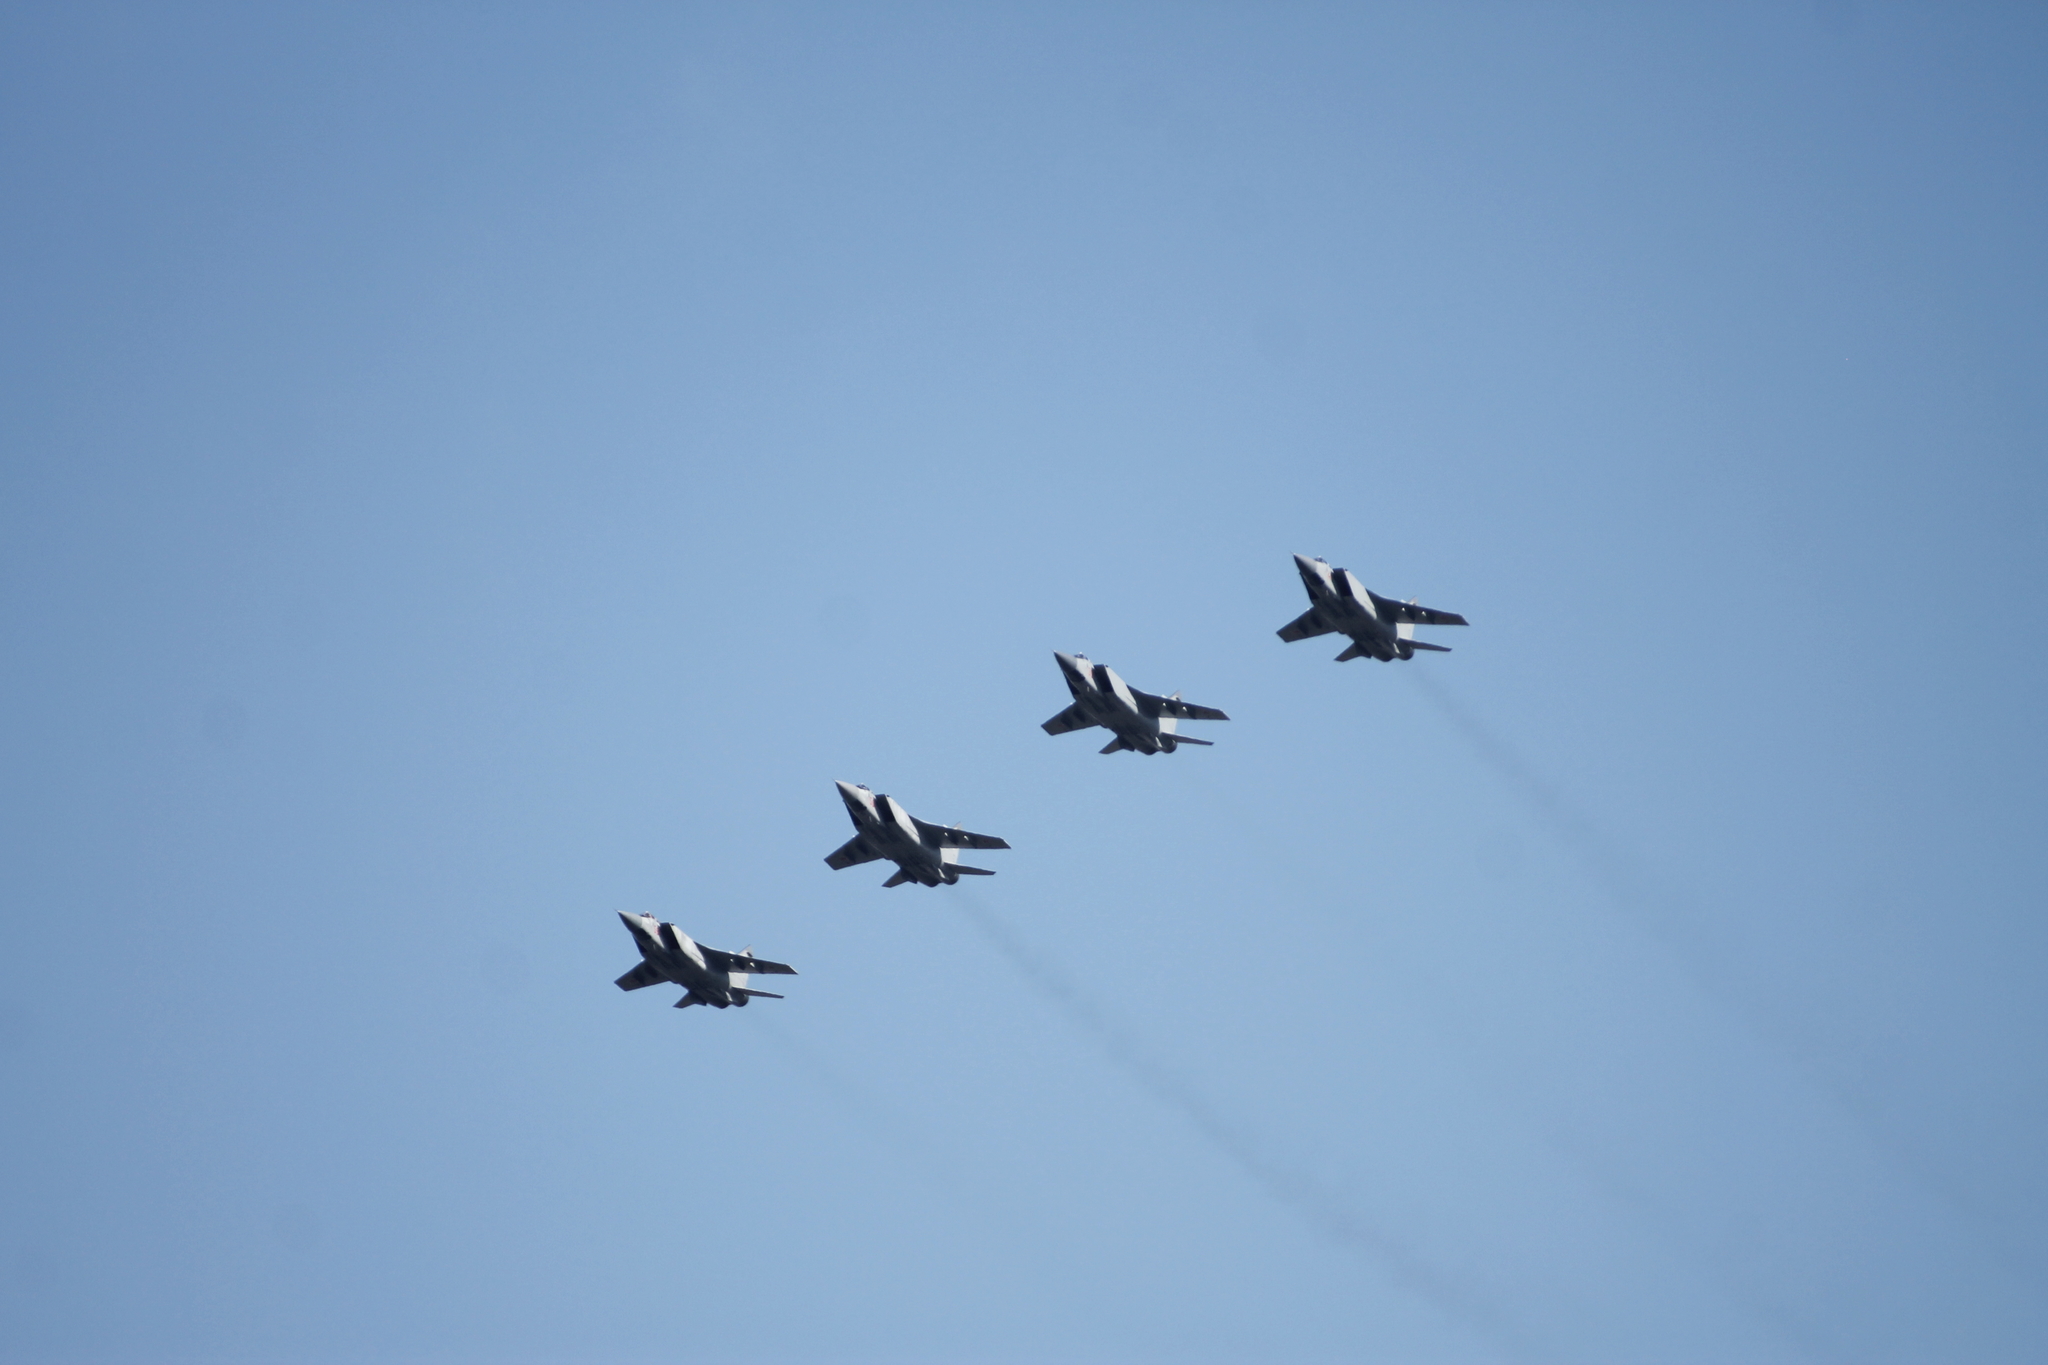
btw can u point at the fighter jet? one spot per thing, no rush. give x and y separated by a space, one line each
1142 723
923 853
707 976
1378 626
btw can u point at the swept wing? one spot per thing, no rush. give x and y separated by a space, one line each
1305 626
1174 707
737 962
646 974
941 836
854 850
1414 615
1073 718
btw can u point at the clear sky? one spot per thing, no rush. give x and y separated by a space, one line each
471 470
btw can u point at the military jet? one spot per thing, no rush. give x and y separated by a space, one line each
1142 723
923 853
707 976
1378 626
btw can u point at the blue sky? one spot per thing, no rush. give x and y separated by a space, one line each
468 471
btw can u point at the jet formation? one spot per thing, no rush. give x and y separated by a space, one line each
1140 722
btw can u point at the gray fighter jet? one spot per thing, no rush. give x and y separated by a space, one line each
923 853
1379 627
1142 723
707 976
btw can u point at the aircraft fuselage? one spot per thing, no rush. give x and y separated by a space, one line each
1348 607
886 826
676 956
1106 700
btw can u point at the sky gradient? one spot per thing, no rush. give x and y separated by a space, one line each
468 471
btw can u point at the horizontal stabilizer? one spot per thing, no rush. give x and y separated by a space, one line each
743 990
1439 649
972 871
688 1000
897 880
1205 743
1355 652
1113 746
646 974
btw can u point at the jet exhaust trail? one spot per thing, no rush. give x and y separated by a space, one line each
1290 1188
1630 886
1621 876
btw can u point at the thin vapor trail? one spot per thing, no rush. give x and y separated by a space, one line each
1630 886
1620 875
1290 1188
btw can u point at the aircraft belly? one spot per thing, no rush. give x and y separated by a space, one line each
1370 635
1356 620
916 862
